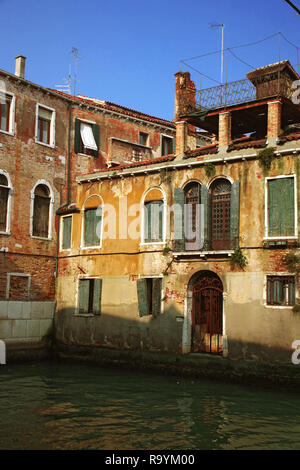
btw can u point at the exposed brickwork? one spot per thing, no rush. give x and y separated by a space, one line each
224 129
274 119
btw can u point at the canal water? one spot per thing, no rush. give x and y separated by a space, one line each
62 406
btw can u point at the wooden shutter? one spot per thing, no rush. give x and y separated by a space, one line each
179 241
67 231
173 145
281 200
206 201
234 215
96 132
156 296
97 296
142 297
91 220
77 136
84 292
3 207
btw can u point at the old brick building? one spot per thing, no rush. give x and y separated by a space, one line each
47 139
187 253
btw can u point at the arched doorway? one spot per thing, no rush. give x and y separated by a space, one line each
207 314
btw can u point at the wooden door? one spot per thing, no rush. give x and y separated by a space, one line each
207 315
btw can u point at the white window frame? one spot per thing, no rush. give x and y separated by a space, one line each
86 121
142 212
52 125
82 245
61 232
9 203
11 113
51 205
281 307
290 237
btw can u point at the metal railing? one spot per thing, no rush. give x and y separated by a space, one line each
241 91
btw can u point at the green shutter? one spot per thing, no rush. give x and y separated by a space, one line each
97 296
174 145
156 296
96 132
142 297
179 240
234 215
281 207
91 221
84 290
67 231
77 136
206 201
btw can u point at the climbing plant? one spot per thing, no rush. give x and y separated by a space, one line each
210 169
238 259
265 158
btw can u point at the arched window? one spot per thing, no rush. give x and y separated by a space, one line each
154 216
220 216
192 218
4 196
41 211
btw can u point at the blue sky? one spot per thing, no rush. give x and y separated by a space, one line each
130 50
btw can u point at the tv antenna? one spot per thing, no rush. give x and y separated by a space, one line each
76 58
66 87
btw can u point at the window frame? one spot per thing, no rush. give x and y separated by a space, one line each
83 210
265 292
87 277
61 232
9 275
9 203
164 218
51 143
144 134
289 237
11 130
162 137
148 278
50 215
92 123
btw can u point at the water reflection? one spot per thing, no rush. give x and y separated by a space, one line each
48 406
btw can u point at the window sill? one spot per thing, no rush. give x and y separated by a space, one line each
85 155
52 146
41 238
152 243
204 253
87 315
273 239
281 307
91 247
5 233
7 132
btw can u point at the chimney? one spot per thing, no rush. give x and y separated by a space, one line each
20 66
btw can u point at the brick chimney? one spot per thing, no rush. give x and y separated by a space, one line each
20 66
185 102
224 130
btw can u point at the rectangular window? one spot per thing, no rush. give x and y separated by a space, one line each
166 145
45 125
281 290
92 226
66 232
149 296
6 108
90 296
153 226
143 138
281 207
87 137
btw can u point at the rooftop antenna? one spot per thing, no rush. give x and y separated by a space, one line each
222 47
76 58
66 87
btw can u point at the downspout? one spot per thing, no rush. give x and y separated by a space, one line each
68 184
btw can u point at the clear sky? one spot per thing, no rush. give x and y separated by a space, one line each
130 49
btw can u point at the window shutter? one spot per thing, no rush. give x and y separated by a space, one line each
156 296
179 241
77 136
67 230
206 201
173 145
281 207
234 215
84 290
96 132
97 296
142 297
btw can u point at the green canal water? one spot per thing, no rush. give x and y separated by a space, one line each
62 406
